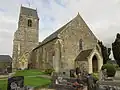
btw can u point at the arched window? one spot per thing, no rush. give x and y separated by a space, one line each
29 23
80 44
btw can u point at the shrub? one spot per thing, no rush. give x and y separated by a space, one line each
49 71
111 70
95 76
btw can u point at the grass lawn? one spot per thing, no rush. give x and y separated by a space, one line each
30 81
3 84
36 81
32 72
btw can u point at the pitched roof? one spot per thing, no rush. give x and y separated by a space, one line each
28 11
55 34
83 55
5 58
52 36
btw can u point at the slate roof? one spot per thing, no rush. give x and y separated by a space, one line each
83 55
52 36
55 34
5 58
28 11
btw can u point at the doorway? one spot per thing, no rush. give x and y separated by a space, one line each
95 64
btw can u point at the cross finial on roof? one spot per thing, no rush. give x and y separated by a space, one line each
78 13
28 1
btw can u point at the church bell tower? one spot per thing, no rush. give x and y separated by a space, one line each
26 37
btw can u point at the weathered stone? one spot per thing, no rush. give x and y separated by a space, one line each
60 49
25 38
117 75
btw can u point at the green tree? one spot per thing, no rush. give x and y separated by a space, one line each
105 52
116 49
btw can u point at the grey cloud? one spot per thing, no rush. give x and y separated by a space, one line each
5 43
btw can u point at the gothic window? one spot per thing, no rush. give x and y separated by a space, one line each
29 23
80 44
53 53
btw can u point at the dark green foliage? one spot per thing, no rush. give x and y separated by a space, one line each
116 49
105 52
49 71
116 66
111 70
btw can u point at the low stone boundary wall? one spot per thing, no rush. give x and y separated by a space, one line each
6 76
3 76
109 85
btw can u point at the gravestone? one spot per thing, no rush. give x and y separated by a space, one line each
72 71
100 75
103 75
78 70
90 82
117 75
16 83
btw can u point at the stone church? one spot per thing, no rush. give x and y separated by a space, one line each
73 45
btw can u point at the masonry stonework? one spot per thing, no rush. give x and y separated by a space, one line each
60 49
26 37
65 49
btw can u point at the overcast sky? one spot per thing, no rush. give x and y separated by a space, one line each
102 16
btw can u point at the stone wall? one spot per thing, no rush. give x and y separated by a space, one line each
70 37
83 65
45 55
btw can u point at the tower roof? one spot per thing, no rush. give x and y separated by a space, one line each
28 11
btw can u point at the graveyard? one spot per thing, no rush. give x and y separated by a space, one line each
78 79
31 78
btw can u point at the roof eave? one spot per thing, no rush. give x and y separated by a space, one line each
45 43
